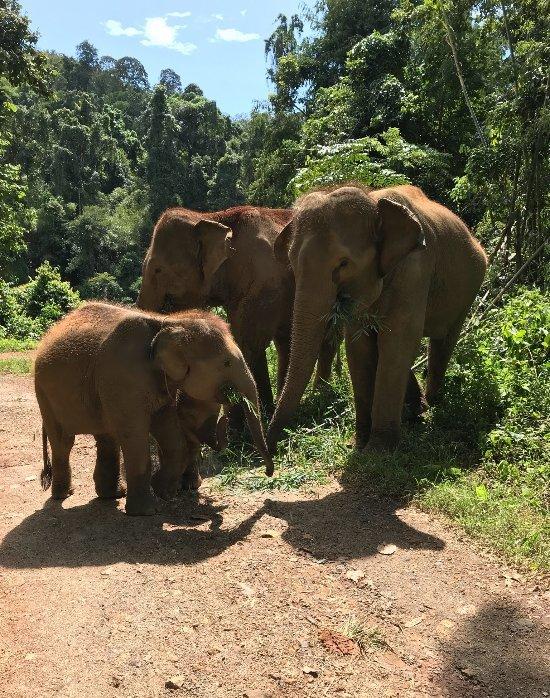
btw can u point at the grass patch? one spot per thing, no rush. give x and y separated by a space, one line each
367 639
17 365
10 344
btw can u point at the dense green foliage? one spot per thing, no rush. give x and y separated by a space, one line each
451 96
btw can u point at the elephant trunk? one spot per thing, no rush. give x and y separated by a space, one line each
247 387
312 305
150 296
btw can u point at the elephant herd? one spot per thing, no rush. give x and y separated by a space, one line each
401 265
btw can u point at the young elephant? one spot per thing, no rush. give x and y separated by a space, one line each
200 423
395 256
226 258
115 372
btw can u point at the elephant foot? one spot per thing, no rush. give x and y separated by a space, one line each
164 487
382 442
191 480
110 491
109 488
145 504
61 491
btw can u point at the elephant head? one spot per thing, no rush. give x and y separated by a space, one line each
181 261
346 241
197 353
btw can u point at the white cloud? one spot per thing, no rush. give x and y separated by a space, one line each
220 17
179 14
235 35
115 28
243 12
159 33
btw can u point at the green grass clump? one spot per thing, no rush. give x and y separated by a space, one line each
18 365
11 344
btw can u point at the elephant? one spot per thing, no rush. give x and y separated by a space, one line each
115 373
226 258
200 423
405 267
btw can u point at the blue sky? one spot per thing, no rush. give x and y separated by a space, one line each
217 44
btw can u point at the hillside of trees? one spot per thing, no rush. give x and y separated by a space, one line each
450 96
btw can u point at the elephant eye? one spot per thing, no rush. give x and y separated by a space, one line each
343 263
158 270
227 363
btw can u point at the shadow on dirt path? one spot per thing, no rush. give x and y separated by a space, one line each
341 525
347 524
491 654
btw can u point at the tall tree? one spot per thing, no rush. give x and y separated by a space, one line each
163 167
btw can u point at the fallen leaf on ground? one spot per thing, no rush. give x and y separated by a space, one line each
412 622
468 670
175 682
246 588
387 549
30 478
309 670
445 626
270 534
522 624
355 575
338 643
468 610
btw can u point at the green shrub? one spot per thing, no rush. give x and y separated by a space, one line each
27 311
47 294
102 286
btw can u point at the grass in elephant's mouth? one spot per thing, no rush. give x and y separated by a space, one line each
346 310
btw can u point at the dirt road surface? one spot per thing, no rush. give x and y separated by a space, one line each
243 595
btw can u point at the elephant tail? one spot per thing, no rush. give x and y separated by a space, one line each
46 474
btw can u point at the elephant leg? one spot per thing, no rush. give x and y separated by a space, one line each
414 397
191 478
165 428
396 351
258 366
61 445
362 355
439 355
107 475
140 500
327 352
253 336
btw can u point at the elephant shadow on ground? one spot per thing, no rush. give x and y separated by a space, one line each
347 524
499 652
341 525
187 531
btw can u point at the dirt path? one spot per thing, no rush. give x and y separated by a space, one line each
233 593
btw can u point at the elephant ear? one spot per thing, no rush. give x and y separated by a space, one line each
214 241
400 232
169 353
282 244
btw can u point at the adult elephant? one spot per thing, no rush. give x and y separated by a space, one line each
226 258
403 263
